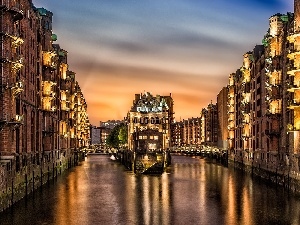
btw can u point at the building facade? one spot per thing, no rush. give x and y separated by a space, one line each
95 135
191 132
263 103
177 134
149 123
222 119
43 114
209 125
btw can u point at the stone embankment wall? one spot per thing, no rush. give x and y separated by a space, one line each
15 185
283 177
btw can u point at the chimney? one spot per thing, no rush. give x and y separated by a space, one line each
137 98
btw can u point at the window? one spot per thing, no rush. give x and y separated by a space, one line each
146 120
152 120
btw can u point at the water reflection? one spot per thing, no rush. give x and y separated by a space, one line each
194 191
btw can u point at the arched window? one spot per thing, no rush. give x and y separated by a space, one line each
146 120
152 120
157 120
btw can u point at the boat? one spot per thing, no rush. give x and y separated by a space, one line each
112 157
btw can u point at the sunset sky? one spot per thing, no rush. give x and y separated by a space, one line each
185 47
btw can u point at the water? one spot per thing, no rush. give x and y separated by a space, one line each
193 191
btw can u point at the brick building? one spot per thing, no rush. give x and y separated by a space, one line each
263 103
43 119
149 122
222 107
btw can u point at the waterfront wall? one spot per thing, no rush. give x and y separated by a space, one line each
152 162
15 185
289 180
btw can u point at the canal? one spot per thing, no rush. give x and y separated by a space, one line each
192 191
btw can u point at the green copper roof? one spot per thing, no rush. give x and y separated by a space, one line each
54 37
284 18
44 12
61 53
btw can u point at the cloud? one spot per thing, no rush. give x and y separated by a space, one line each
112 89
186 47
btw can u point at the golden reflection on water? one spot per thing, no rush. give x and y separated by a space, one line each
231 211
246 206
194 192
67 203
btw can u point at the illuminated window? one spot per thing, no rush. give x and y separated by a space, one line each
152 146
155 137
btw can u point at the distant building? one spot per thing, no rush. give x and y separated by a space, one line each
191 132
177 129
106 127
209 125
222 107
110 124
95 135
149 122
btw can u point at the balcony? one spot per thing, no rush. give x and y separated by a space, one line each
47 89
17 65
64 105
293 104
17 88
16 40
292 71
293 87
293 54
291 38
47 104
17 120
50 59
273 112
63 69
292 128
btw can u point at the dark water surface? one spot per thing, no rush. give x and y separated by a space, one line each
194 191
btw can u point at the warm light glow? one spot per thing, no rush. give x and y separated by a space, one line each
63 70
47 103
49 59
